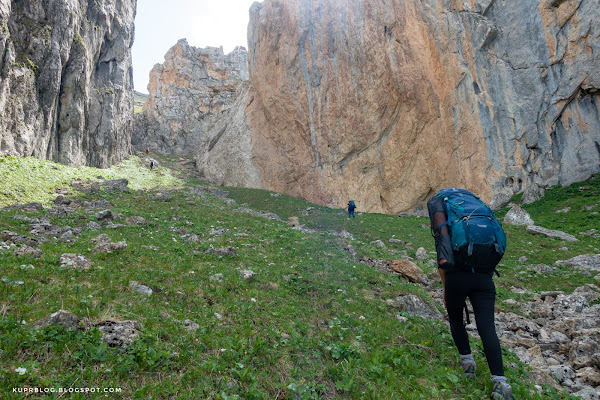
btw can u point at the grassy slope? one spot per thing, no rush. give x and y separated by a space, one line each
312 324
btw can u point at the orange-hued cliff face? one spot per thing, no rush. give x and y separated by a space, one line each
385 102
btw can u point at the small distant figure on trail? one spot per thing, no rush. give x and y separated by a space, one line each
351 208
151 165
147 150
470 242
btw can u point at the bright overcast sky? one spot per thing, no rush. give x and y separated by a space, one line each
159 24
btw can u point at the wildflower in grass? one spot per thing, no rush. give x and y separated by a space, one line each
253 300
21 370
361 317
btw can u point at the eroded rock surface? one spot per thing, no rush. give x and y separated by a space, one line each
386 102
190 89
65 88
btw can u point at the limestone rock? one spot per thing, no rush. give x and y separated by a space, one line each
119 333
518 216
135 220
354 100
66 90
293 221
104 215
551 233
247 274
588 262
138 287
74 261
189 90
61 317
408 270
421 254
119 185
413 305
378 243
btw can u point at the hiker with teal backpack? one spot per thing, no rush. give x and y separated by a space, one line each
351 208
470 242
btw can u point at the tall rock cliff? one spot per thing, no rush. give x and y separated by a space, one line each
187 92
386 101
66 80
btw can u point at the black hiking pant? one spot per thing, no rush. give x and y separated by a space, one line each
481 291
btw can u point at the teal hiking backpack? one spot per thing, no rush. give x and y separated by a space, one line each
477 238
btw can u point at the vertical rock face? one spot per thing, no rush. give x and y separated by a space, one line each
386 102
187 92
65 80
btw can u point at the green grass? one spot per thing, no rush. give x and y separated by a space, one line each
312 324
26 180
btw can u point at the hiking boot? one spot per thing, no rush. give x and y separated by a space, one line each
469 371
501 391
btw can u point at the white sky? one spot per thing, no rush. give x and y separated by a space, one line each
159 24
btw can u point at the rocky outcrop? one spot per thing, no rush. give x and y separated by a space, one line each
66 87
386 102
187 93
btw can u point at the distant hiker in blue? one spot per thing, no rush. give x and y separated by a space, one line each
351 208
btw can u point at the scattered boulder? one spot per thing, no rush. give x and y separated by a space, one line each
61 199
59 211
12 237
351 250
293 221
563 210
61 317
551 233
421 254
378 243
119 333
247 274
216 278
562 372
97 205
409 270
105 244
86 186
103 238
588 262
162 196
414 305
104 215
343 234
119 185
135 220
76 261
220 231
138 287
29 207
518 216
28 251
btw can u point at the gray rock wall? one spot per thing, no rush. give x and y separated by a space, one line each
533 79
66 80
187 93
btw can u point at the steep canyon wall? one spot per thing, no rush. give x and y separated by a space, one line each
385 102
65 80
186 93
